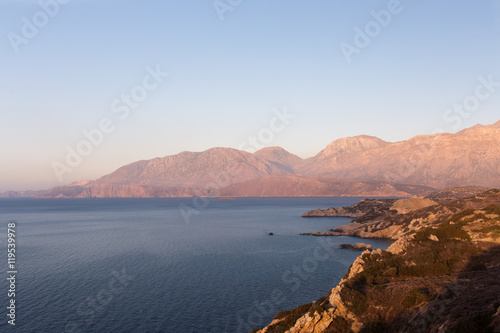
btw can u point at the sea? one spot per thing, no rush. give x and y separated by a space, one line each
165 264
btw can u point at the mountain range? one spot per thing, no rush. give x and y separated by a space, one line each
361 165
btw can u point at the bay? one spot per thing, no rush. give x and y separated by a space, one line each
168 264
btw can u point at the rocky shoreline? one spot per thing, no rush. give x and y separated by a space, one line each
389 218
441 274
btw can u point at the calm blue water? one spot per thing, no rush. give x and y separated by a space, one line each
137 265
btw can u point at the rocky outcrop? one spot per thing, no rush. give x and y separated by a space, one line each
356 247
321 233
387 222
405 206
440 278
365 207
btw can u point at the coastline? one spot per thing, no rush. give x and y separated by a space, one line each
381 284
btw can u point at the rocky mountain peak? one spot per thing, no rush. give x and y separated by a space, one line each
279 156
349 145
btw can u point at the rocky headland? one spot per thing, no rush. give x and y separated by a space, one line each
394 218
440 275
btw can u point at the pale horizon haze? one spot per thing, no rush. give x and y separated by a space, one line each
68 67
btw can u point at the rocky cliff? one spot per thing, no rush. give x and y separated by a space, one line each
442 276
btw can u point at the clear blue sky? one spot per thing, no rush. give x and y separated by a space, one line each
227 76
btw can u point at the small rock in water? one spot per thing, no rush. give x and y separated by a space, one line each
357 246
271 234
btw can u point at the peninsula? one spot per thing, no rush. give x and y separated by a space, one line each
440 275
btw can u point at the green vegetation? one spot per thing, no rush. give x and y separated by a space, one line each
445 231
492 209
300 309
415 297
339 325
495 229
317 306
425 257
291 316
445 249
354 300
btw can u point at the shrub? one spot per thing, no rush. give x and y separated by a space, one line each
450 231
492 209
301 309
354 300
317 306
429 269
391 271
339 325
457 217
290 317
415 297
444 231
492 228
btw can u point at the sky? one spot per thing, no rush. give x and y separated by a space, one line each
87 86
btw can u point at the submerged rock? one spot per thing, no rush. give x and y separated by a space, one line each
357 246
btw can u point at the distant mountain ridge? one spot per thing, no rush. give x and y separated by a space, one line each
347 166
195 170
469 157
